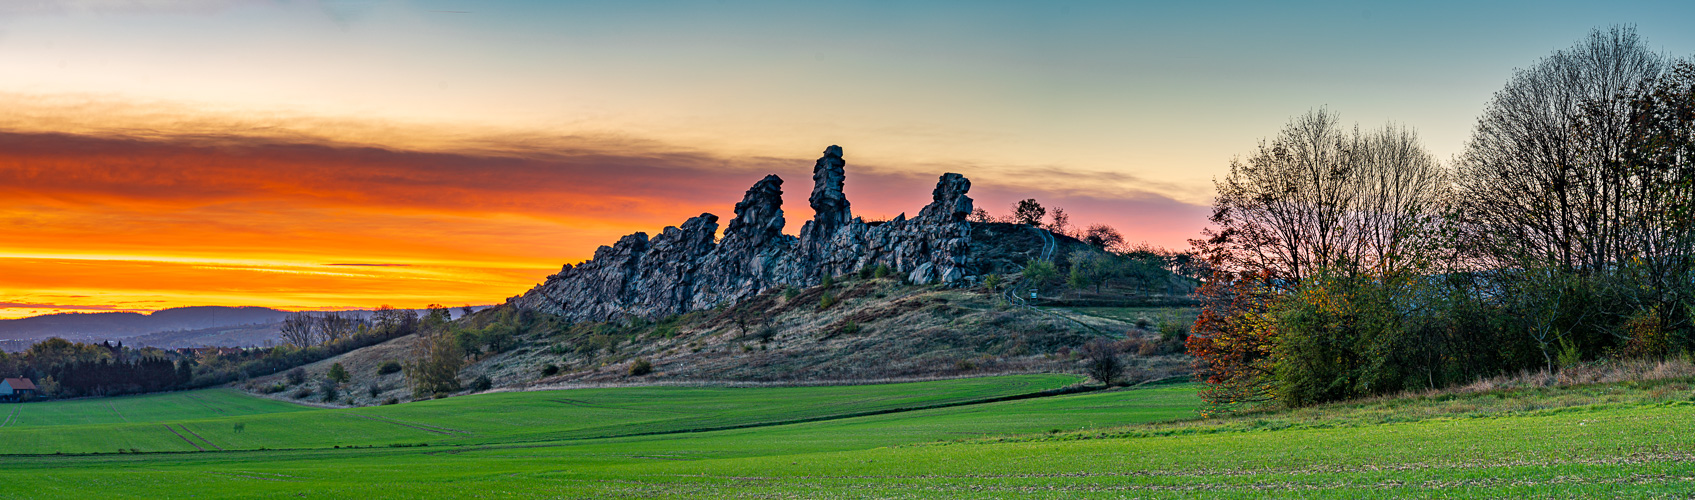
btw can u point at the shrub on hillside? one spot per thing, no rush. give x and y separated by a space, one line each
482 383
303 393
390 366
549 370
641 367
328 388
297 376
339 373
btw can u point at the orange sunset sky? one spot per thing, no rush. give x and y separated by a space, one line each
346 154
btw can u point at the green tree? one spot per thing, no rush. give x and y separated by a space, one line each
437 368
1040 272
338 374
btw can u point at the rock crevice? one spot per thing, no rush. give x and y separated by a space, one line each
687 268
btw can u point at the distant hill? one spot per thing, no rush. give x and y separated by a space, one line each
245 335
116 325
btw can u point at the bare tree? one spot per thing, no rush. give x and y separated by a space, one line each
1322 196
334 326
386 317
1541 178
1060 221
300 329
1103 236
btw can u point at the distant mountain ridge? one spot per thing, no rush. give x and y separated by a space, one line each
113 325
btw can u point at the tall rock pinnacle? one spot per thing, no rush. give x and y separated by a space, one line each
829 205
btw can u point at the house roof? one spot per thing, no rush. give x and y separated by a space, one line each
19 384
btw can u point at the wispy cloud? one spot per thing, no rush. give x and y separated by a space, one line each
67 307
26 7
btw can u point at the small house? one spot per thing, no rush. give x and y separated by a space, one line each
16 389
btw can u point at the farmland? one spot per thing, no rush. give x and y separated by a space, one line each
1631 439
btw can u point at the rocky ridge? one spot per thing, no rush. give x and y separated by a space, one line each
688 268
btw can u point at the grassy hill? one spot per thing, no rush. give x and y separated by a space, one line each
858 329
1631 439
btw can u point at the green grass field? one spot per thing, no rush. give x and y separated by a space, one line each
1605 441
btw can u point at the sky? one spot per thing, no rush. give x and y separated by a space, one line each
337 154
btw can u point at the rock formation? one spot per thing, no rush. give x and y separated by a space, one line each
686 268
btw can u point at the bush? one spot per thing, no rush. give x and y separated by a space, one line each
390 366
1173 331
829 299
790 292
297 376
391 401
882 271
850 328
303 393
993 281
275 388
328 387
482 383
374 389
549 370
640 367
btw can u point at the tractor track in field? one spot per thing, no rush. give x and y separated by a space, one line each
1014 397
9 416
184 438
252 475
197 435
422 427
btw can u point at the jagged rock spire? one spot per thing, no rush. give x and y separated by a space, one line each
948 201
760 213
829 204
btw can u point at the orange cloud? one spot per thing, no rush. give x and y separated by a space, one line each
129 223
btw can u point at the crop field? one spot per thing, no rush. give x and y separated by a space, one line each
254 423
832 442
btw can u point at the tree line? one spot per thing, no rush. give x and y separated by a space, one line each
1344 262
63 368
